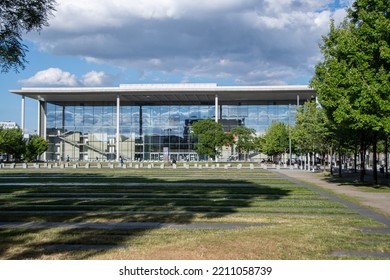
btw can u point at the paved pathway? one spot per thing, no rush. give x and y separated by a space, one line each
379 202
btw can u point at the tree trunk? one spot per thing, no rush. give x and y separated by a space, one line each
355 155
386 158
340 165
330 157
362 159
374 159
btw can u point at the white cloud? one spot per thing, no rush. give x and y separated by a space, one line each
191 38
95 78
59 77
52 77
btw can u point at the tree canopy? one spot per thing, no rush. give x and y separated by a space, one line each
35 147
244 139
275 141
311 129
12 143
211 137
353 80
16 18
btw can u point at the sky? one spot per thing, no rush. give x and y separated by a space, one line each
228 42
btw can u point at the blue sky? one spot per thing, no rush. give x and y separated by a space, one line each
229 42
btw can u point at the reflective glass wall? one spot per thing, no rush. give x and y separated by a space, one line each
156 133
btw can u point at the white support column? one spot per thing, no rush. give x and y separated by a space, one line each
42 115
23 114
216 116
289 134
216 108
118 103
39 130
45 127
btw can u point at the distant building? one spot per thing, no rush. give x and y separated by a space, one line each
152 121
8 125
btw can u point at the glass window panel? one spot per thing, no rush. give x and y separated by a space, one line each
89 118
204 112
79 115
135 116
263 121
59 111
146 116
211 113
126 119
108 117
255 127
164 116
69 116
98 115
225 111
242 111
194 112
262 111
51 116
252 118
155 116
174 110
272 113
148 131
260 129
184 113
174 116
233 112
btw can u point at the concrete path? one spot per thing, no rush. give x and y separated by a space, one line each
374 206
375 200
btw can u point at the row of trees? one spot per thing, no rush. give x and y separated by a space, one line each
14 145
313 136
353 80
211 138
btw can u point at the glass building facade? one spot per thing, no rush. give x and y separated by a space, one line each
152 133
152 122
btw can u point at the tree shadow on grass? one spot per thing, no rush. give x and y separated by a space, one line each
353 179
151 202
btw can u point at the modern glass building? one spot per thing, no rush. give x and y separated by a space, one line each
152 121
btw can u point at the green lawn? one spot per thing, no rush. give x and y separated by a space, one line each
288 221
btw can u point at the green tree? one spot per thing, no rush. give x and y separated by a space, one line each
211 137
353 80
12 142
35 147
245 138
16 18
2 140
311 131
275 141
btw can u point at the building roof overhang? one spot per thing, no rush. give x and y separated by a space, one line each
169 94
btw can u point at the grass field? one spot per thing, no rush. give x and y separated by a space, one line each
234 214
